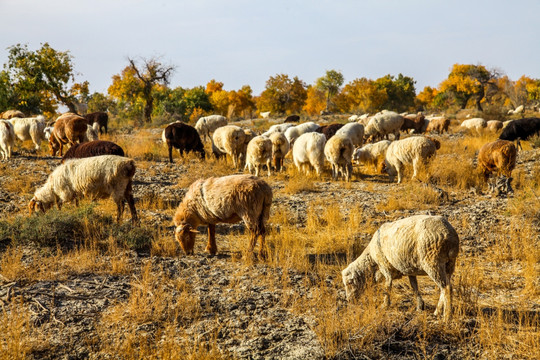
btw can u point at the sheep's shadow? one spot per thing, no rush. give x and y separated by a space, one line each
328 259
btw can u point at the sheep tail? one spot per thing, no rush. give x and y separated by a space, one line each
129 169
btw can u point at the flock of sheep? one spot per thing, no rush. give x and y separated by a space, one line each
417 245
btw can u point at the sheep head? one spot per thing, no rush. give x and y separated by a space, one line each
36 206
185 235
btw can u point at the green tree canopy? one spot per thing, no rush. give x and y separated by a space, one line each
283 95
40 80
400 92
330 84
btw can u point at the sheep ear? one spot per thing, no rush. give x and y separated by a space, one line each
31 206
179 228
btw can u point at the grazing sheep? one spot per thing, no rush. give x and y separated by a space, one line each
413 122
265 114
259 153
9 114
294 132
98 177
184 138
93 148
476 124
417 245
29 129
280 148
100 117
520 129
226 199
354 131
206 125
519 110
229 140
439 124
329 130
498 156
494 125
68 129
506 123
383 124
308 151
7 139
292 118
413 150
338 151
280 128
373 154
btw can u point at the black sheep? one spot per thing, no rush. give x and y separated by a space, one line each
100 117
184 138
520 129
329 130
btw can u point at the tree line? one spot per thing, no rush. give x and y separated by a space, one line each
39 81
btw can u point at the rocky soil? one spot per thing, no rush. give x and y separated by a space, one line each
248 319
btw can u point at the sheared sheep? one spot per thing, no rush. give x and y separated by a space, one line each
383 124
98 177
7 139
184 138
476 124
230 140
439 124
280 128
206 125
280 148
68 129
9 114
498 156
29 129
413 150
93 148
259 153
417 245
353 131
226 199
294 132
338 151
308 152
373 154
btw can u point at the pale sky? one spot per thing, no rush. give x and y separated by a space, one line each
244 42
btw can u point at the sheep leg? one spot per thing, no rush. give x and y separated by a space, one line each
440 277
414 286
415 168
388 284
119 209
399 169
131 204
211 248
170 154
268 165
262 250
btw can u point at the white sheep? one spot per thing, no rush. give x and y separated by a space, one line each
413 150
259 153
338 151
265 114
7 139
364 119
226 199
97 177
372 154
353 131
383 124
353 118
417 245
280 128
308 151
206 125
30 129
474 124
230 140
280 148
294 132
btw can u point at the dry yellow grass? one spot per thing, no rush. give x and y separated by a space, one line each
494 289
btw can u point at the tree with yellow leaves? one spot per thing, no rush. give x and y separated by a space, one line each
469 83
361 96
315 101
282 95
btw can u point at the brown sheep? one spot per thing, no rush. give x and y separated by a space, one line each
439 125
93 148
9 114
226 199
498 156
414 122
68 129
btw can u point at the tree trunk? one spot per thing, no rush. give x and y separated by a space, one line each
149 104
